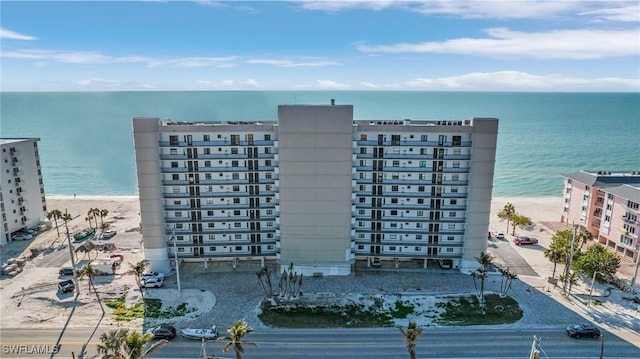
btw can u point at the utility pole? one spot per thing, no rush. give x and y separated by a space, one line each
635 273
66 219
567 269
175 256
534 351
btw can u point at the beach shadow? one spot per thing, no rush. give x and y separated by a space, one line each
64 328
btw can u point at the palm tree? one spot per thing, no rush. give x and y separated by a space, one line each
411 335
555 255
137 270
507 212
90 272
89 219
135 342
111 343
505 282
121 344
485 260
95 212
103 213
584 236
56 214
237 332
518 220
571 280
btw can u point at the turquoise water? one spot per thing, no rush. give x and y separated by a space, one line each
86 143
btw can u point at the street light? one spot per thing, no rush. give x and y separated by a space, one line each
592 283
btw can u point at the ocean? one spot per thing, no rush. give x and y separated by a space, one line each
86 144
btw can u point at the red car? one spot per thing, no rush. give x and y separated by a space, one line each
520 240
117 255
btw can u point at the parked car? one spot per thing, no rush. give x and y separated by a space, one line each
520 240
583 330
163 332
498 234
149 274
22 237
65 271
116 255
375 262
66 286
444 263
152 282
108 233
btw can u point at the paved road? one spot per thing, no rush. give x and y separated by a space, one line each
479 342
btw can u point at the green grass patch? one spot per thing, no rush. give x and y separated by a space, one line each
466 311
150 308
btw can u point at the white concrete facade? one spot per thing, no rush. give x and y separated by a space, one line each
316 189
22 198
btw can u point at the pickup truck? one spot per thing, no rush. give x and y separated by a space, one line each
520 240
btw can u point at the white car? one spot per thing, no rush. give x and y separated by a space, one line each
152 282
22 237
150 274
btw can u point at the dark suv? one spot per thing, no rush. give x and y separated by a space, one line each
583 330
163 332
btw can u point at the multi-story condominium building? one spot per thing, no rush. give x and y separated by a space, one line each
22 199
316 189
607 205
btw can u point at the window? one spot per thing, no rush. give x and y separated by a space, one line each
423 138
396 163
269 212
234 163
267 163
236 201
206 137
456 164
454 189
363 150
361 212
418 225
211 225
420 188
180 250
210 214
420 213
236 188
212 249
267 150
361 247
176 189
236 212
177 214
452 226
207 163
235 176
423 163
207 151
417 249
238 236
238 248
393 236
393 225
360 224
394 188
418 236
394 200
174 164
267 137
268 175
269 224
175 177
363 137
452 214
455 177
394 213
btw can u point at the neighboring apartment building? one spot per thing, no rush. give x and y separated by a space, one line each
607 205
316 189
22 199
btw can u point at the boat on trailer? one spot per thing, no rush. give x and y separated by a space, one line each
197 333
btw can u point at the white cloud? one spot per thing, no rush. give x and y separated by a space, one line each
251 83
504 43
290 63
624 11
11 35
522 81
328 84
104 84
191 62
629 13
76 57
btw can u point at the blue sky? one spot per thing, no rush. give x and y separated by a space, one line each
305 45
